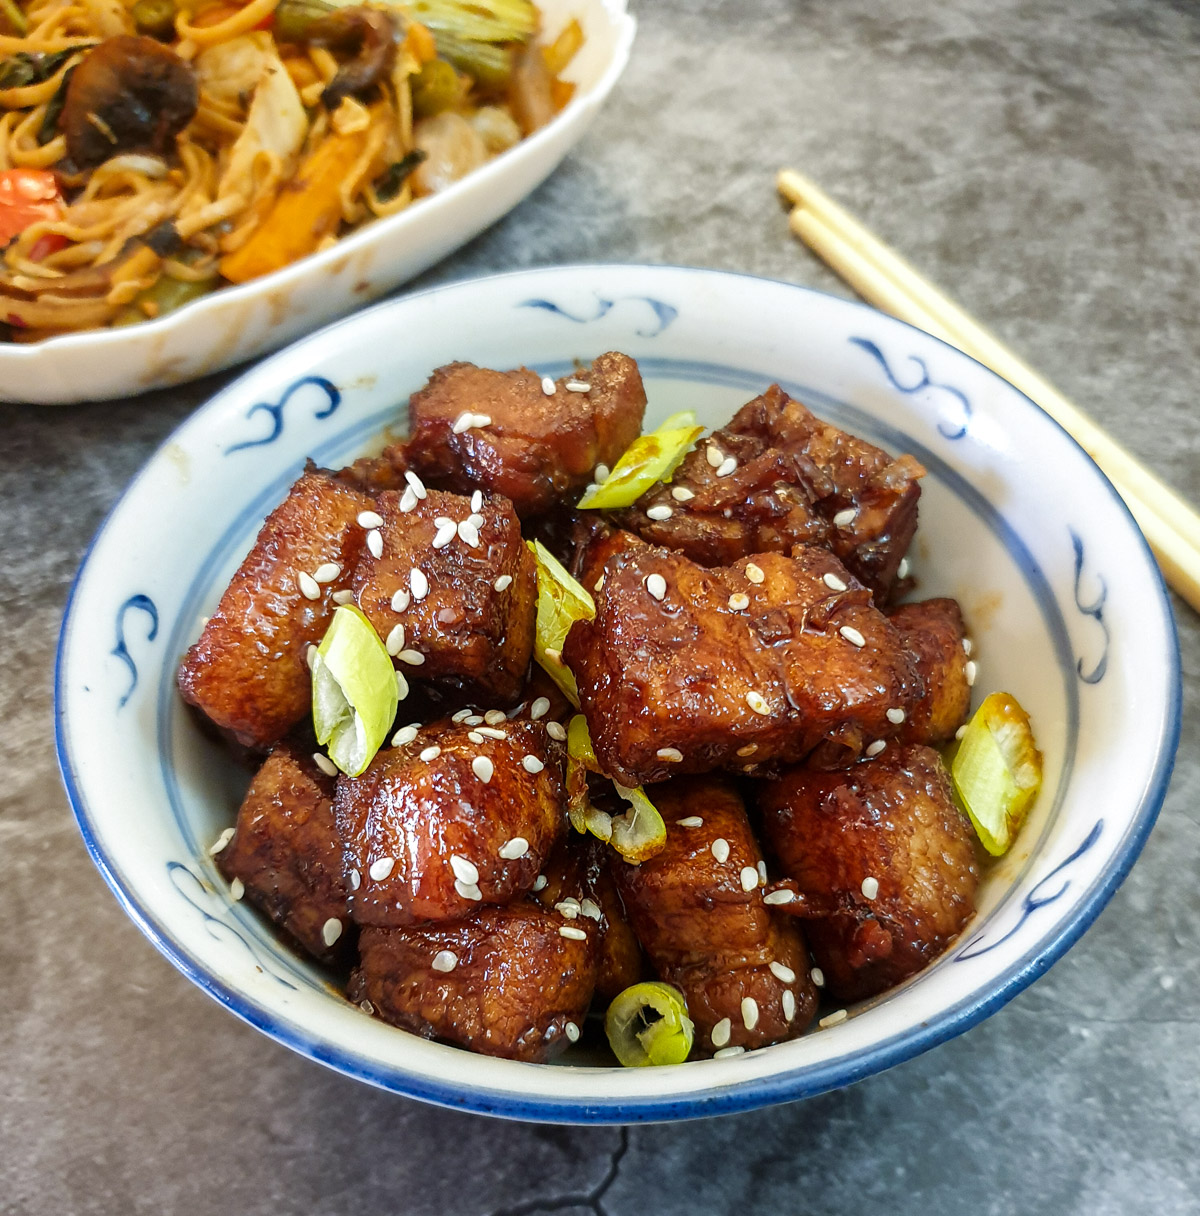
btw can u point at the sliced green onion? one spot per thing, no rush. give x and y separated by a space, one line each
997 771
561 602
648 459
354 691
648 1025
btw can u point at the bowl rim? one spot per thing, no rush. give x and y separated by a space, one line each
789 1085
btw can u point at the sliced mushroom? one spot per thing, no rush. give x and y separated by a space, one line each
372 34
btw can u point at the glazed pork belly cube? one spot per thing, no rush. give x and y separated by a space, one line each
504 982
686 669
455 817
596 541
884 862
248 672
500 430
697 908
286 853
778 476
453 590
934 633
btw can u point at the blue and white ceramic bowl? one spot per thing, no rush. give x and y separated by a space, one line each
1059 590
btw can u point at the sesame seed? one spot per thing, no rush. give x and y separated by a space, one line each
570 908
754 573
681 494
539 883
870 888
727 466
331 930
902 568
381 868
556 730
327 573
481 420
844 518
571 1031
576 935
512 849
818 977
531 764
896 716
749 1012
468 890
414 658
832 1019
430 753
366 1007
539 708
355 880
714 456
591 909
852 635
401 685
408 500
659 513
490 732
395 640
503 582
873 749
720 1032
468 533
738 601
749 877
788 1001
400 600
962 730
967 646
445 534
833 582
474 736
577 386
237 888
419 583
720 849
656 585
602 474
464 870
553 655
311 653
692 821
343 597
406 734
782 896
375 543
370 519
726 1052
494 717
308 585
460 715
221 841
598 583
415 483
756 703
324 763
782 973
671 754
474 719
483 768
762 872
548 386
461 423
971 671
444 960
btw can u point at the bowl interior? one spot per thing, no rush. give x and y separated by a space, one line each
1046 579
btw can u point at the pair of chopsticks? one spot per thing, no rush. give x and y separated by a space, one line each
881 277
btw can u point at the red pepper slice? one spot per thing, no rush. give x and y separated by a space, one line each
26 196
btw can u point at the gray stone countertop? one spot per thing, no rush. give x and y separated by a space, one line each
1040 161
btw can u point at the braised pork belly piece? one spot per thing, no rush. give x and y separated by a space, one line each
249 673
455 816
883 861
697 908
513 982
286 853
777 476
502 431
934 633
688 669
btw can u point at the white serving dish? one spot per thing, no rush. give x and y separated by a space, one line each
238 323
1060 592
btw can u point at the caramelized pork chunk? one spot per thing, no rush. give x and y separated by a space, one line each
248 672
778 476
934 633
505 982
501 431
686 669
595 542
454 818
454 590
286 853
697 909
884 861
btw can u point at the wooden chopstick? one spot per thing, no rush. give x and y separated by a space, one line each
881 277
